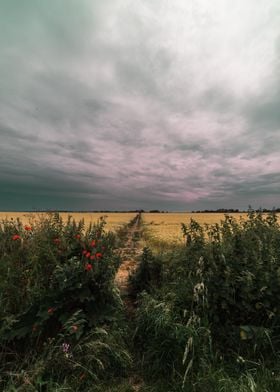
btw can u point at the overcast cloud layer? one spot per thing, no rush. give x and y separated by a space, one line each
121 104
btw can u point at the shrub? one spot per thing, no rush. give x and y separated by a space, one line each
218 300
57 288
148 274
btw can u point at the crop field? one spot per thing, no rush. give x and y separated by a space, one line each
133 309
162 226
114 220
167 226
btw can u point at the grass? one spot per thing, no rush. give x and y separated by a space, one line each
166 227
62 322
207 319
114 220
209 316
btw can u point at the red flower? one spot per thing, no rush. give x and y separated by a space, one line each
84 252
87 255
88 267
51 310
56 240
93 243
15 237
27 228
92 257
98 255
78 236
103 247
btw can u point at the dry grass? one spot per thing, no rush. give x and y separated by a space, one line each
167 226
114 219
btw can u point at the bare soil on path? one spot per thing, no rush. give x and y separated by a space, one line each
129 254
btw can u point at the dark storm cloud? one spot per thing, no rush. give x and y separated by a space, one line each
129 105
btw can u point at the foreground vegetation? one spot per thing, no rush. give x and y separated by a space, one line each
209 310
166 227
207 314
61 318
114 220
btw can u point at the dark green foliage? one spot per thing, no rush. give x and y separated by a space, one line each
239 268
61 316
217 304
208 316
148 274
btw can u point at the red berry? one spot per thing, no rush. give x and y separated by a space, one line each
88 267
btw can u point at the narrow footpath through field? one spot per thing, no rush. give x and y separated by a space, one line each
129 255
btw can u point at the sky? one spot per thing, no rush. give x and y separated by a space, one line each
129 104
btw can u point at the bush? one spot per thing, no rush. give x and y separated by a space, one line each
217 302
57 291
235 273
148 274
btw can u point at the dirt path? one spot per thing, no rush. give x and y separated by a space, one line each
129 254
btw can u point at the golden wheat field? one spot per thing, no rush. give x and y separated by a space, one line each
163 226
167 226
113 219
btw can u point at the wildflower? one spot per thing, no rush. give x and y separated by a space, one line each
65 347
16 237
27 228
103 247
56 240
87 255
74 328
84 252
77 236
88 267
92 257
93 243
98 255
51 310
